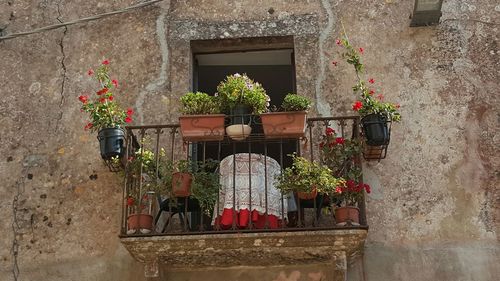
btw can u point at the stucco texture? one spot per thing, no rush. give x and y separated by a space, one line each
433 213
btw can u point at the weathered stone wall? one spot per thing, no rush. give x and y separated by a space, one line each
433 212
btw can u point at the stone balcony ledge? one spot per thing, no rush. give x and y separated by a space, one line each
337 246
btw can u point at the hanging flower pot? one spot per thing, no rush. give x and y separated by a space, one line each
202 127
308 195
284 124
111 142
139 222
375 129
181 184
347 215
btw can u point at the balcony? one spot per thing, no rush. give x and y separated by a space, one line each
249 222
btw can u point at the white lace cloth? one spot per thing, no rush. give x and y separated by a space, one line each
255 179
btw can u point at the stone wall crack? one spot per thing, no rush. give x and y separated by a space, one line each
63 66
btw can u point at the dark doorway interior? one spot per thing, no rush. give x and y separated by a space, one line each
274 69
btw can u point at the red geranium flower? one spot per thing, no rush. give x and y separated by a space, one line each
130 201
90 72
340 140
332 144
83 99
115 83
361 50
102 100
102 91
105 62
128 119
397 105
371 92
130 111
371 81
367 188
357 106
110 98
329 131
321 144
88 126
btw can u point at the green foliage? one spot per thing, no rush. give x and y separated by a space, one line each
294 102
304 176
199 103
102 108
205 187
240 89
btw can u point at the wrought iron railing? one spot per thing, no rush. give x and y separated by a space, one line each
231 208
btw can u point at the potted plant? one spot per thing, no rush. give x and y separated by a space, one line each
290 122
142 167
307 179
202 120
179 177
340 155
240 96
375 113
107 117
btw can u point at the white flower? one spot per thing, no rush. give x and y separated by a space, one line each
237 75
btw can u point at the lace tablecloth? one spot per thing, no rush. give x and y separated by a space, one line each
250 171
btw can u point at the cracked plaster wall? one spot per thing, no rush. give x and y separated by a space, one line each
433 213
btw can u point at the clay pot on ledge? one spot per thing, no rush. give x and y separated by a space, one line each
348 215
139 223
308 195
181 184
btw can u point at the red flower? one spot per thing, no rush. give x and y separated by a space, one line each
130 201
357 106
83 99
361 50
90 72
321 144
329 131
367 188
115 83
332 144
371 92
88 126
105 62
130 111
128 119
110 98
340 140
334 63
102 91
102 100
338 189
371 81
338 42
397 105
380 96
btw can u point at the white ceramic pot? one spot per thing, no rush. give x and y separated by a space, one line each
238 132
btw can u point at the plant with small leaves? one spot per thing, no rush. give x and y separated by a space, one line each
199 103
102 107
205 187
240 89
295 102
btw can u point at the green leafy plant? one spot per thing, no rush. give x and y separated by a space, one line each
104 111
205 187
240 89
199 103
304 176
294 102
369 102
339 155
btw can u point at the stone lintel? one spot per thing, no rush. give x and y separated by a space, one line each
249 249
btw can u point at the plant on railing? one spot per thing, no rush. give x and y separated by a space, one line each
374 111
239 90
306 176
294 102
199 103
106 115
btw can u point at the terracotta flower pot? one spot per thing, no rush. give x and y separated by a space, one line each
139 222
284 124
308 195
202 127
346 215
181 184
